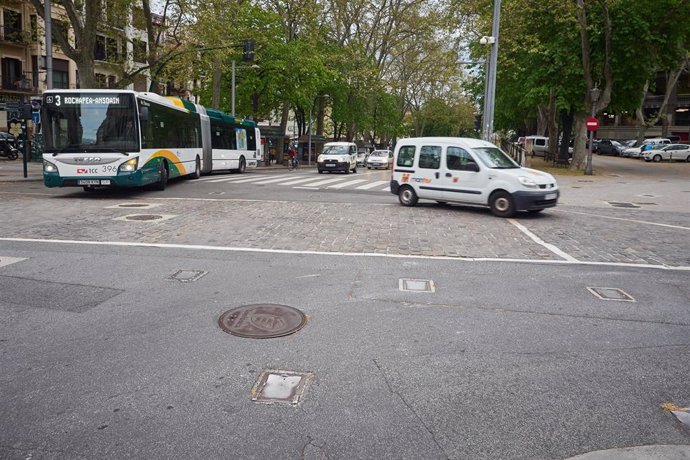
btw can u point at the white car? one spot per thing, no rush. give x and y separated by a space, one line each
380 159
677 152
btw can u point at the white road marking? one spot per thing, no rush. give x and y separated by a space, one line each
323 182
347 254
635 221
378 183
271 181
250 179
298 181
387 189
234 178
541 242
345 184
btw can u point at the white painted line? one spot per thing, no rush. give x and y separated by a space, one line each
308 276
298 181
345 184
378 183
387 189
193 247
324 182
538 240
270 181
635 221
235 178
250 179
305 188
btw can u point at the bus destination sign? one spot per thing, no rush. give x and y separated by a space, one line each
76 99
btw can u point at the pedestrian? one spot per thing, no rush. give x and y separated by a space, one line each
292 154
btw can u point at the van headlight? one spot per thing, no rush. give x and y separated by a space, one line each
129 165
49 167
527 182
319 159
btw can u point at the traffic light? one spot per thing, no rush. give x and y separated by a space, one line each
478 122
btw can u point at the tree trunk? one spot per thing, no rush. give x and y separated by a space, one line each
552 125
567 121
283 127
580 144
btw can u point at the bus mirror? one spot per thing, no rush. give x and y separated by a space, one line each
143 113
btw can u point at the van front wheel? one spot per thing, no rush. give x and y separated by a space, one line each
502 204
407 196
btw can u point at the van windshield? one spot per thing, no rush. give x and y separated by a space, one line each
494 158
336 150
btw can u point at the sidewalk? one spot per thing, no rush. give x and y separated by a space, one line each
13 171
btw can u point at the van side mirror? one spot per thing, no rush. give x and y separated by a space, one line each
144 113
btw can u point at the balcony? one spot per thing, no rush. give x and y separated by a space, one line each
22 83
15 36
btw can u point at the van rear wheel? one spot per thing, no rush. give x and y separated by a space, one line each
407 196
502 204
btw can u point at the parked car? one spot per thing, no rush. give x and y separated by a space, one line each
537 145
677 152
609 147
362 158
380 159
637 150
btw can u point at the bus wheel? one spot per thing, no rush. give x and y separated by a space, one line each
197 169
162 176
243 166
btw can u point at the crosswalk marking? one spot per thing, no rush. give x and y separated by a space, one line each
386 189
250 179
298 181
378 183
214 179
324 182
345 184
270 181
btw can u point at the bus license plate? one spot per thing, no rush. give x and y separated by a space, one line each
93 182
550 196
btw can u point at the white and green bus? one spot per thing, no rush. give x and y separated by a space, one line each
112 138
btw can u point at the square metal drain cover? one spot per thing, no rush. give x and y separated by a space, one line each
10 260
606 293
417 285
280 387
187 276
618 204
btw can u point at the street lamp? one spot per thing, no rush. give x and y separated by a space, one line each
594 97
490 89
253 66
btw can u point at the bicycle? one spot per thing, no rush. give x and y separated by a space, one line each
293 163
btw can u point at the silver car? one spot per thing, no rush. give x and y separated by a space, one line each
380 159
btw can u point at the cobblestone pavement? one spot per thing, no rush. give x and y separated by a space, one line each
586 234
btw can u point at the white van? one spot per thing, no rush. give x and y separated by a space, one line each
338 156
537 145
469 171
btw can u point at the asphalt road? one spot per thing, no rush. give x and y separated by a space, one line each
104 354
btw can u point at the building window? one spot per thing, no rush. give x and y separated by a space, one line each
139 51
106 49
12 26
11 73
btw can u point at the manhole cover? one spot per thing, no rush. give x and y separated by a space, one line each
262 321
278 386
144 217
187 276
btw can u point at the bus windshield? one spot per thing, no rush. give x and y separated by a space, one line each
90 122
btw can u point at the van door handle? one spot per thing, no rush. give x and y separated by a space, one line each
449 175
436 175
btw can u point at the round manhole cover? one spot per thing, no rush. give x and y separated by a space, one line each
144 217
262 321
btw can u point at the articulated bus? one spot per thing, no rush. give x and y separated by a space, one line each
111 138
